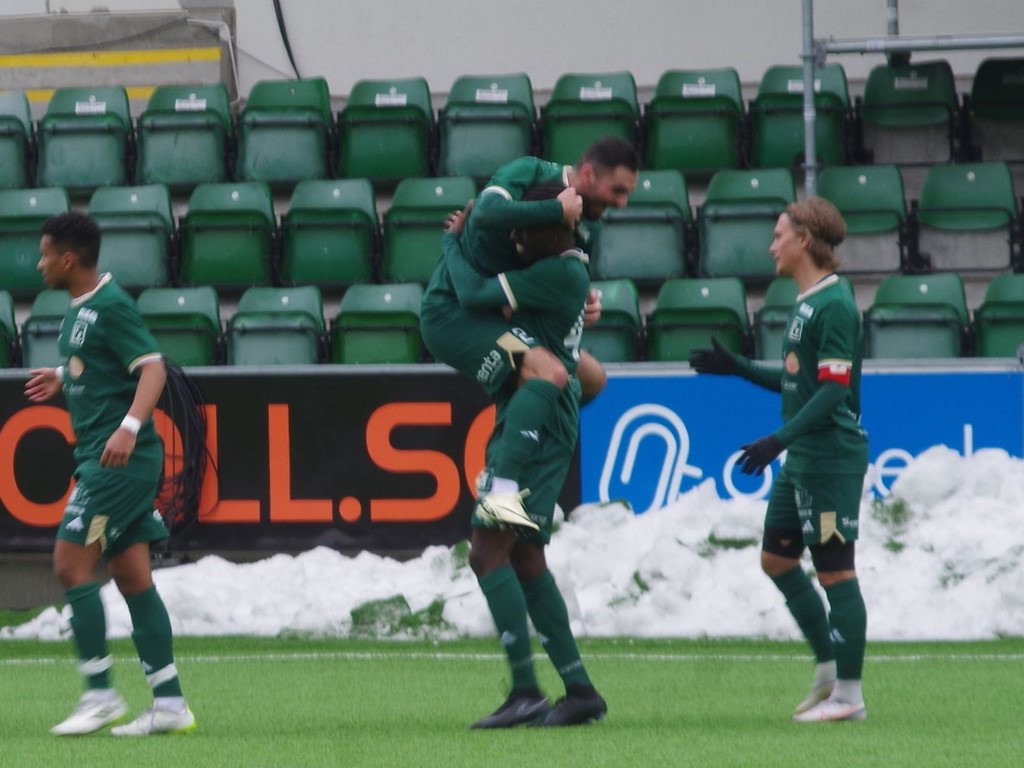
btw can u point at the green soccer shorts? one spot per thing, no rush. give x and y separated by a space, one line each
112 508
822 506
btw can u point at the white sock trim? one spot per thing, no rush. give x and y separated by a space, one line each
162 675
94 666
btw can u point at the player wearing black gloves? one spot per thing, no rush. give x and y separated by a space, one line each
815 499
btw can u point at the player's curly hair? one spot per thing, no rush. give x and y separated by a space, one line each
822 224
75 231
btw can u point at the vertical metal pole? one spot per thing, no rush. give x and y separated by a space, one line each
810 149
892 18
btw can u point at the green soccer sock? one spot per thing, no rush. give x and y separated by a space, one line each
151 633
528 411
508 608
849 619
550 618
89 629
805 605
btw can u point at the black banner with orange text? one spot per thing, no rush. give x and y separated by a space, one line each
351 458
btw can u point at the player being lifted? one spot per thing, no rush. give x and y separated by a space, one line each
481 343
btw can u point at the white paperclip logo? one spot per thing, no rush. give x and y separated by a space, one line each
642 422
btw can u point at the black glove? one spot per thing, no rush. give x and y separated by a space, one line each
759 454
718 359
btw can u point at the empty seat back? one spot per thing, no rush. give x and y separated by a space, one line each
41 329
136 226
17 140
996 110
487 121
22 213
185 323
689 312
277 326
9 347
585 107
184 136
329 234
871 200
385 131
916 316
693 122
616 336
999 320
378 324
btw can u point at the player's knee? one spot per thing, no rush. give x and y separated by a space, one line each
541 363
592 376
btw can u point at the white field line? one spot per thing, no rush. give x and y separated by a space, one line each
490 657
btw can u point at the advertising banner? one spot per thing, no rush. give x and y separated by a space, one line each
655 434
351 458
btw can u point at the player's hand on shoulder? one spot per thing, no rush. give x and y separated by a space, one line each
456 220
592 309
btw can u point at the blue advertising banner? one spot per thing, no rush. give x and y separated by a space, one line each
654 434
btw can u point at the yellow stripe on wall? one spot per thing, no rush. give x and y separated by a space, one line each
135 92
110 58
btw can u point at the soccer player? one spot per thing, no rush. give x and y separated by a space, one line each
480 342
547 301
815 499
112 377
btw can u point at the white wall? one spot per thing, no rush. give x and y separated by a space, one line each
346 40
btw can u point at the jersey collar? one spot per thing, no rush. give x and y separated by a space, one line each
825 282
104 279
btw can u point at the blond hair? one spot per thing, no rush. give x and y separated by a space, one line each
822 224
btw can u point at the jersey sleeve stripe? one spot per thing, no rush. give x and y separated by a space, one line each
507 290
496 190
142 360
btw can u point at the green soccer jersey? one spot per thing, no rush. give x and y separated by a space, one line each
500 208
103 342
823 343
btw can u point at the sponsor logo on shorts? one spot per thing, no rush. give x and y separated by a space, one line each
490 367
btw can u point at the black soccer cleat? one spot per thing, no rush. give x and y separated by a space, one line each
521 708
580 705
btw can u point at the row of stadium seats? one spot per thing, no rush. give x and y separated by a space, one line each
910 316
695 123
967 220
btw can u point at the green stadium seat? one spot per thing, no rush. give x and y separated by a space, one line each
777 117
330 233
385 131
872 202
84 139
770 320
185 323
22 213
688 312
9 347
378 324
284 132
487 121
17 140
41 329
277 326
917 316
995 110
648 240
414 223
616 336
227 236
967 218
736 222
908 114
999 320
184 136
585 107
693 122
137 229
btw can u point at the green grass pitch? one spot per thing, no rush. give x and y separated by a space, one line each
318 702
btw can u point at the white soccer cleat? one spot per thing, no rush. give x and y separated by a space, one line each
833 710
505 510
154 721
96 709
818 693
